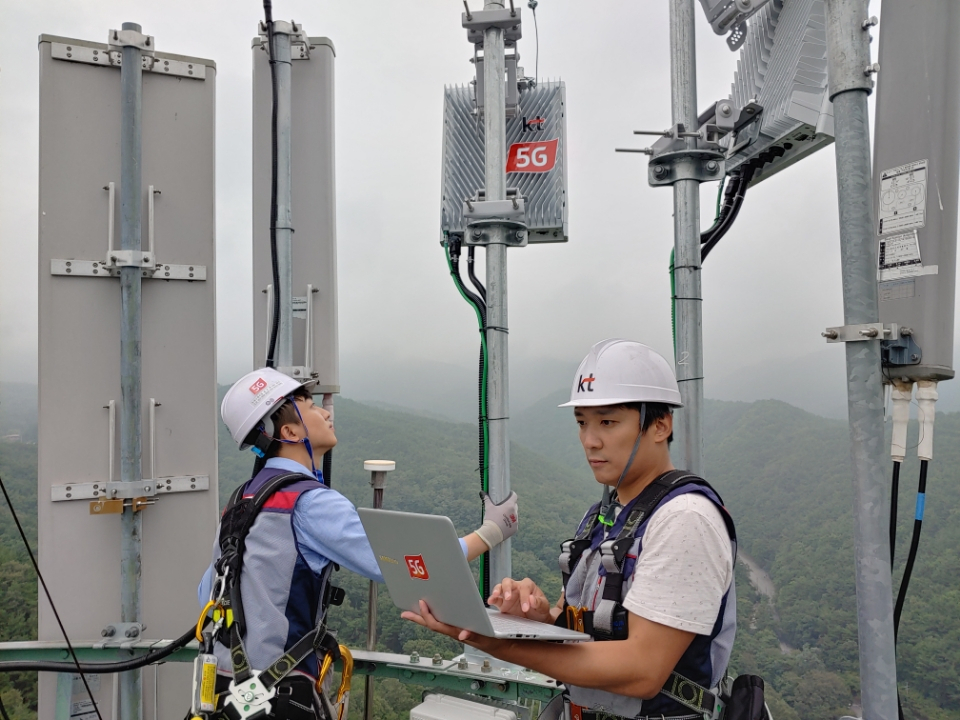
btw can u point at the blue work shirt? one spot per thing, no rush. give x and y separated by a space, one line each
328 529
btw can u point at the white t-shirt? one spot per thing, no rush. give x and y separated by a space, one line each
685 566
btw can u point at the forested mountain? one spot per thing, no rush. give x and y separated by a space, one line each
784 474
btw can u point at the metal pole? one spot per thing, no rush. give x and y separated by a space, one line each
378 478
688 425
495 178
284 66
848 56
130 365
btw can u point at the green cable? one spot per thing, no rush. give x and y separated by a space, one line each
723 182
484 423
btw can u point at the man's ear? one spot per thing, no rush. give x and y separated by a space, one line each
288 431
663 427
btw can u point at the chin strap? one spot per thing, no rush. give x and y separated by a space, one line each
610 504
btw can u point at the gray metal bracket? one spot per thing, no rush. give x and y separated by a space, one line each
121 635
298 37
673 160
476 21
158 271
509 214
902 350
114 58
131 38
130 490
859 333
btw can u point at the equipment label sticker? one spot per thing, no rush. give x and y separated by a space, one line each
416 567
299 307
899 256
903 198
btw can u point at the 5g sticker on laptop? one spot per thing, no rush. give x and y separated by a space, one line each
416 567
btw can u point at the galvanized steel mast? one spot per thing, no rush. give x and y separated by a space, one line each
131 83
849 70
498 391
688 425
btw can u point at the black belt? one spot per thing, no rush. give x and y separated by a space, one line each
295 699
601 715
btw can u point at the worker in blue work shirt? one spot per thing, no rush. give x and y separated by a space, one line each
650 570
303 531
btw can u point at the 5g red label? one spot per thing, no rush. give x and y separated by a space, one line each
532 157
416 567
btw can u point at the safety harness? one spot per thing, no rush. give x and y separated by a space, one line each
609 621
250 692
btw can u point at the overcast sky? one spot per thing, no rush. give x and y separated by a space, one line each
770 288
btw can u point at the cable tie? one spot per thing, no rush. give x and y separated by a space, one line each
499 418
282 227
687 267
498 328
679 380
677 297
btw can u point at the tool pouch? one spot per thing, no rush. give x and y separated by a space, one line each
746 701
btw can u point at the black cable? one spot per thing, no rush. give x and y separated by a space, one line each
894 497
733 202
327 467
472 275
149 658
275 328
43 583
914 544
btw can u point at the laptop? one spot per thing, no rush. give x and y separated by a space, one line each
420 557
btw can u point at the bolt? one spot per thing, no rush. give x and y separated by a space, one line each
871 69
914 357
659 170
476 685
108 631
724 109
869 332
830 334
872 21
438 659
414 657
712 166
906 332
132 632
486 667
462 664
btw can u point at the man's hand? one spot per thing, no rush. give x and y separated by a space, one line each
500 520
426 618
523 598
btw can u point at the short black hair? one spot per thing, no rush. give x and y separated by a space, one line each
654 412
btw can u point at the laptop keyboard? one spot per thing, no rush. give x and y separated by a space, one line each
522 626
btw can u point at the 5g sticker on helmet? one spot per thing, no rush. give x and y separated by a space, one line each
532 157
416 567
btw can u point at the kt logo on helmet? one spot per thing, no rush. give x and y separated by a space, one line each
259 385
588 381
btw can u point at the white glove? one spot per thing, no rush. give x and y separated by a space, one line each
500 520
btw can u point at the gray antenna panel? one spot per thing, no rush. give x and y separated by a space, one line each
315 331
544 192
79 351
783 68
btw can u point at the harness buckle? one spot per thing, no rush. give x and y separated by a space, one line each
249 700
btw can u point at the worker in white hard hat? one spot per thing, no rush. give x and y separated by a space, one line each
650 570
285 530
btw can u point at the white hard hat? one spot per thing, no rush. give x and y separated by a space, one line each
619 371
252 398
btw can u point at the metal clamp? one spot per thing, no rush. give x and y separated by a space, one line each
672 159
857 333
121 635
477 21
126 490
509 214
129 258
131 38
901 349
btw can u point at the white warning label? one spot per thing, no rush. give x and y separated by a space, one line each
899 256
903 198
